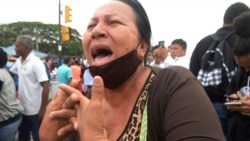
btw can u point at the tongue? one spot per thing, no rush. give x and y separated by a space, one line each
101 57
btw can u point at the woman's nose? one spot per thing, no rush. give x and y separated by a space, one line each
99 31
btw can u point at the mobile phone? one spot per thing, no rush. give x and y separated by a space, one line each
233 103
231 97
161 43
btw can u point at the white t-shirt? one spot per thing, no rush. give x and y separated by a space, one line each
30 73
167 62
153 64
181 61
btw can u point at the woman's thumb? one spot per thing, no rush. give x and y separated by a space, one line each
97 88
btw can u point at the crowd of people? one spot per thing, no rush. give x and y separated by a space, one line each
25 89
125 89
217 96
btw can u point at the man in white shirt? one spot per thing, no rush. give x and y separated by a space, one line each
33 88
178 49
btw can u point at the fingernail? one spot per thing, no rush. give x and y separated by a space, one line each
59 133
51 115
97 80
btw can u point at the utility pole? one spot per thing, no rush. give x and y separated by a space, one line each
60 33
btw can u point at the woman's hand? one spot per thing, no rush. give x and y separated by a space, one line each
49 127
232 98
70 111
244 108
89 112
91 126
59 126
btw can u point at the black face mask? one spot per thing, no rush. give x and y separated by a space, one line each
115 73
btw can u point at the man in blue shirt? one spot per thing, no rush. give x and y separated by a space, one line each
64 73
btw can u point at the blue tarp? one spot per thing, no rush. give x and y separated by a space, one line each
10 50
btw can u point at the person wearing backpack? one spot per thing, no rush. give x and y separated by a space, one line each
216 93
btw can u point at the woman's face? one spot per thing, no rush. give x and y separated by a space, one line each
111 33
243 61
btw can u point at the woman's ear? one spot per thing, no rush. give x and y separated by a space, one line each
142 49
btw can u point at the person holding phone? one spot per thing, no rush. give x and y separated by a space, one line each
239 87
161 57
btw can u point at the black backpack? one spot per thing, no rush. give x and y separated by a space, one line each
218 66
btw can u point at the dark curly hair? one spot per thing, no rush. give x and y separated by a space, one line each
3 58
241 27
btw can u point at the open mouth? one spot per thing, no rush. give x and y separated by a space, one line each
101 54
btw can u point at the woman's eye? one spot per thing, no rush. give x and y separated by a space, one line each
91 26
114 22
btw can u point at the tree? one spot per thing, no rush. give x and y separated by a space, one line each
45 36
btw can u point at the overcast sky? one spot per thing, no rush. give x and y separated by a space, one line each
190 20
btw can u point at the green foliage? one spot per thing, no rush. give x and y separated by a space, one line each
46 37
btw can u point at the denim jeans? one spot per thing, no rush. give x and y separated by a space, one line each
8 132
29 126
222 114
